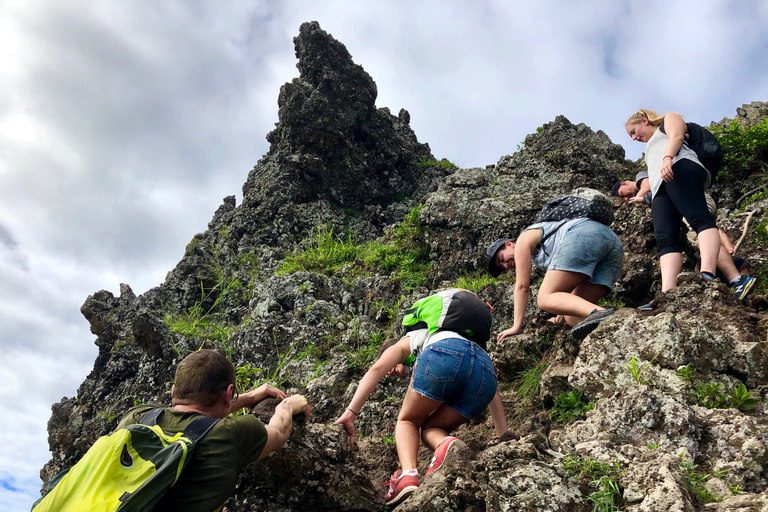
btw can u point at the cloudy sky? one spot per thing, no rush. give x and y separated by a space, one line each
123 124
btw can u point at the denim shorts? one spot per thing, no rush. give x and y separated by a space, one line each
593 249
458 373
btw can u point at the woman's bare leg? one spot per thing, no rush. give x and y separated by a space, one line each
414 412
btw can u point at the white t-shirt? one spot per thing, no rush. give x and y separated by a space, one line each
421 339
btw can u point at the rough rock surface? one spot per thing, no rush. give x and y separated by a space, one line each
337 160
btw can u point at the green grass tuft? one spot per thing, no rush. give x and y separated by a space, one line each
475 281
401 253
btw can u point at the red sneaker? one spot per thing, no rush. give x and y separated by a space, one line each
440 452
400 487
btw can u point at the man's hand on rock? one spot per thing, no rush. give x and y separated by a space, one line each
298 405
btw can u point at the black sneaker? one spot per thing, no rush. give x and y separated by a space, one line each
648 307
589 324
742 287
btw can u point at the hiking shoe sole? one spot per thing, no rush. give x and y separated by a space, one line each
648 307
402 495
684 277
440 452
589 324
400 487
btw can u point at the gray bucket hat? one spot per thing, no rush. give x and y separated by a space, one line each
490 254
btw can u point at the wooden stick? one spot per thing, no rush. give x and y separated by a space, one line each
749 194
744 231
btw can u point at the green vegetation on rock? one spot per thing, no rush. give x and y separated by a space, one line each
607 497
570 406
400 253
430 162
746 149
475 281
529 382
206 323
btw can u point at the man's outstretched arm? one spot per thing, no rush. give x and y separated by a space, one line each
280 426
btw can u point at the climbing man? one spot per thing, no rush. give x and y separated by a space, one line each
205 385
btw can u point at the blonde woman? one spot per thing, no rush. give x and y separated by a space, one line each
677 181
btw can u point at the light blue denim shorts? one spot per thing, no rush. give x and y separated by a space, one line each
458 373
593 249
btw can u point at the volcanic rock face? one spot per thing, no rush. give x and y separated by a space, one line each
337 160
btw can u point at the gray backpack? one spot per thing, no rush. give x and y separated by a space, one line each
582 202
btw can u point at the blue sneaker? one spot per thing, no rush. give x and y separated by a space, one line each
743 286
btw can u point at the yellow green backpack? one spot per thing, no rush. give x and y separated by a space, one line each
129 470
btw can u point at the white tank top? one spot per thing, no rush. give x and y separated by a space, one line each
655 152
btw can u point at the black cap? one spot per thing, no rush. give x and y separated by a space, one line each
615 189
490 254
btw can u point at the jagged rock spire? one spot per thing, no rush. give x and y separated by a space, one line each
331 142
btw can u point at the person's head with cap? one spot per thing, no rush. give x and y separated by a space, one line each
624 189
500 255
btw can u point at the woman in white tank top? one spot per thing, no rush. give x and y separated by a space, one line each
677 182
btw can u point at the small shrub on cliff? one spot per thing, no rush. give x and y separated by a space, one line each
473 282
206 324
607 497
742 399
746 149
426 163
710 396
528 385
696 480
685 372
640 374
322 252
584 467
359 360
247 377
570 406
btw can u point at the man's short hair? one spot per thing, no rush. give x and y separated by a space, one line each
202 377
615 189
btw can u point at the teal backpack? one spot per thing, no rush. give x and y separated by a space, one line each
129 470
454 310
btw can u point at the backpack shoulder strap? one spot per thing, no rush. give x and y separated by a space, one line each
198 428
150 418
194 431
551 233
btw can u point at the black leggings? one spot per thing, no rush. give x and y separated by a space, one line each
681 197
